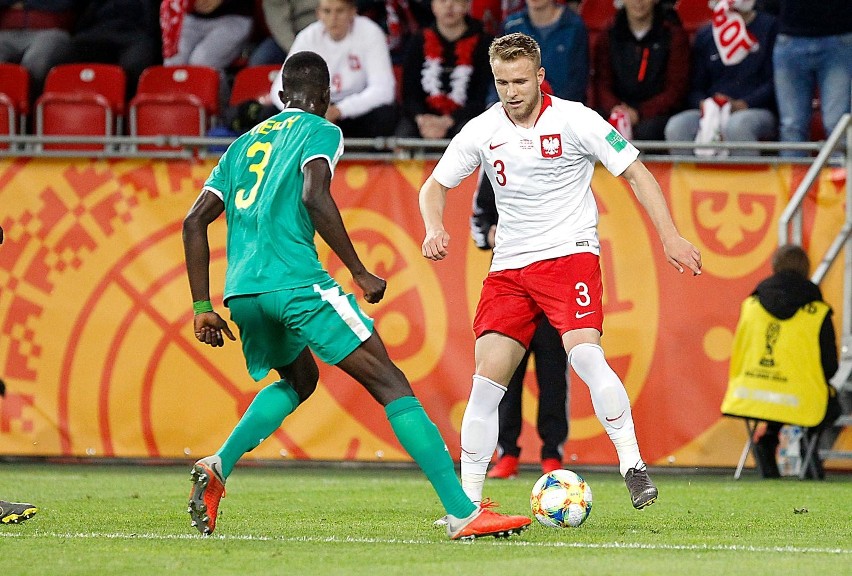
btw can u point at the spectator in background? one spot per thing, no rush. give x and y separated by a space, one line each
285 19
446 74
492 13
813 52
732 96
362 80
36 35
399 20
213 33
785 332
123 32
551 371
564 43
641 66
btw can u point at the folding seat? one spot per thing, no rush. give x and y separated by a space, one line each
693 14
253 82
81 100
597 14
397 76
174 101
14 99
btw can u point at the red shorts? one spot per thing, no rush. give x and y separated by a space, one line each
567 290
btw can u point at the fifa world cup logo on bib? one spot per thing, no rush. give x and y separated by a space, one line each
551 145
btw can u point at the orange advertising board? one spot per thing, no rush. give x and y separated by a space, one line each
97 350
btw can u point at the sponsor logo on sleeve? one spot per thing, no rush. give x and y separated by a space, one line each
616 140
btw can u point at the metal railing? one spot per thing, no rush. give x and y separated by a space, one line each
391 148
790 231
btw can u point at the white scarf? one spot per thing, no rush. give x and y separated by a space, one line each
714 116
733 41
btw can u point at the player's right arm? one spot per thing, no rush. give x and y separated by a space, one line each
208 325
316 196
460 160
433 198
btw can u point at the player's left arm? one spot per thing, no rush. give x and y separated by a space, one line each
679 252
208 325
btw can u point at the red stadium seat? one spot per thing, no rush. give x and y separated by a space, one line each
693 14
7 117
14 99
174 101
81 100
253 82
597 14
397 75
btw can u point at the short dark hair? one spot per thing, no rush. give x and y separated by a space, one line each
304 72
791 258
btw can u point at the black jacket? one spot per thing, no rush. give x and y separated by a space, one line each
650 75
782 294
414 95
484 214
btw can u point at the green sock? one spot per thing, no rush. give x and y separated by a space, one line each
262 419
421 439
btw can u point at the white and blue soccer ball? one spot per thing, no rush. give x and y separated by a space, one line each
561 499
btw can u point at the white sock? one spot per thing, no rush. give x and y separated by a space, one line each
479 430
610 401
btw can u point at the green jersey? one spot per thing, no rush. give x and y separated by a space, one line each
270 243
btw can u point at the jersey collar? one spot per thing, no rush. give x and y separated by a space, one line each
545 104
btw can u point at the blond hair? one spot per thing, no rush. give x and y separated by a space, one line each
514 46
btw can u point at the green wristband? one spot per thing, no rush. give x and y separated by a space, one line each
202 306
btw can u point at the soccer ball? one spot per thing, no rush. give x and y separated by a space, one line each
561 499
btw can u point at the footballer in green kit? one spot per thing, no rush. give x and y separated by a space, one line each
273 184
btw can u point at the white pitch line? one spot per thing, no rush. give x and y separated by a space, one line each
350 540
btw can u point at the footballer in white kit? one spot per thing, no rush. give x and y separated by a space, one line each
541 177
539 152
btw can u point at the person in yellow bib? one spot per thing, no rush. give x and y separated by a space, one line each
784 353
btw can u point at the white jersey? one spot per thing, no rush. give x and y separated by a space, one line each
359 66
541 177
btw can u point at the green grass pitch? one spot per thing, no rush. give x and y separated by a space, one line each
124 519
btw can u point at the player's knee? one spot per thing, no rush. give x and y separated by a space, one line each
305 389
305 383
585 358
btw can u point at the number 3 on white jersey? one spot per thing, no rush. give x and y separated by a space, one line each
500 172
